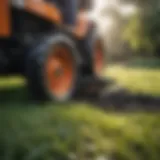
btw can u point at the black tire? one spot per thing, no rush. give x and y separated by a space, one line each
97 44
35 68
87 47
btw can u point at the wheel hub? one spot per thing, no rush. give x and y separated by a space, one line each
58 72
59 69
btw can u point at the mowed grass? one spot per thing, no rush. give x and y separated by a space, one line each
76 131
13 90
137 80
11 82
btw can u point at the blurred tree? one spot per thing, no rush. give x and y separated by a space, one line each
136 34
143 30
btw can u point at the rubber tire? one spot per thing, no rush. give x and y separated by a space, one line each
35 67
86 47
96 37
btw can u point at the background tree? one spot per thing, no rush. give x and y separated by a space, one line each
143 30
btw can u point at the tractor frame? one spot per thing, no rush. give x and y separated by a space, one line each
29 32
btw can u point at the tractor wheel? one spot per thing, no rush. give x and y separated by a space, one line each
52 69
98 55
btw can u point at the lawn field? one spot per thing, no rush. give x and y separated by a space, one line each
137 80
78 131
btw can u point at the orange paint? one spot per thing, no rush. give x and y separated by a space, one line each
5 29
44 9
59 71
98 57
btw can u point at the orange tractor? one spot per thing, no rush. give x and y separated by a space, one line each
35 43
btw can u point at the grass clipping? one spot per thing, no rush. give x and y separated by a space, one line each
77 133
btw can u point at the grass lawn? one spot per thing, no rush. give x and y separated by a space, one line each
137 80
74 131
77 132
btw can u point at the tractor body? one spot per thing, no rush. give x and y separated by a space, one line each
33 43
22 23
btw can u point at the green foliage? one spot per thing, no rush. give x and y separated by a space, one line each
77 132
153 28
137 36
143 30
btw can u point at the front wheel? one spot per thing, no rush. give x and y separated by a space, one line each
52 69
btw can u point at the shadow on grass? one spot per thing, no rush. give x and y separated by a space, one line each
14 96
121 99
20 97
149 63
117 100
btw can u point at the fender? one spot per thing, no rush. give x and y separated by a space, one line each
44 9
40 8
5 29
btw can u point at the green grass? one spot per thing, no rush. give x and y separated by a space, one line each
13 90
11 82
73 131
137 80
77 132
